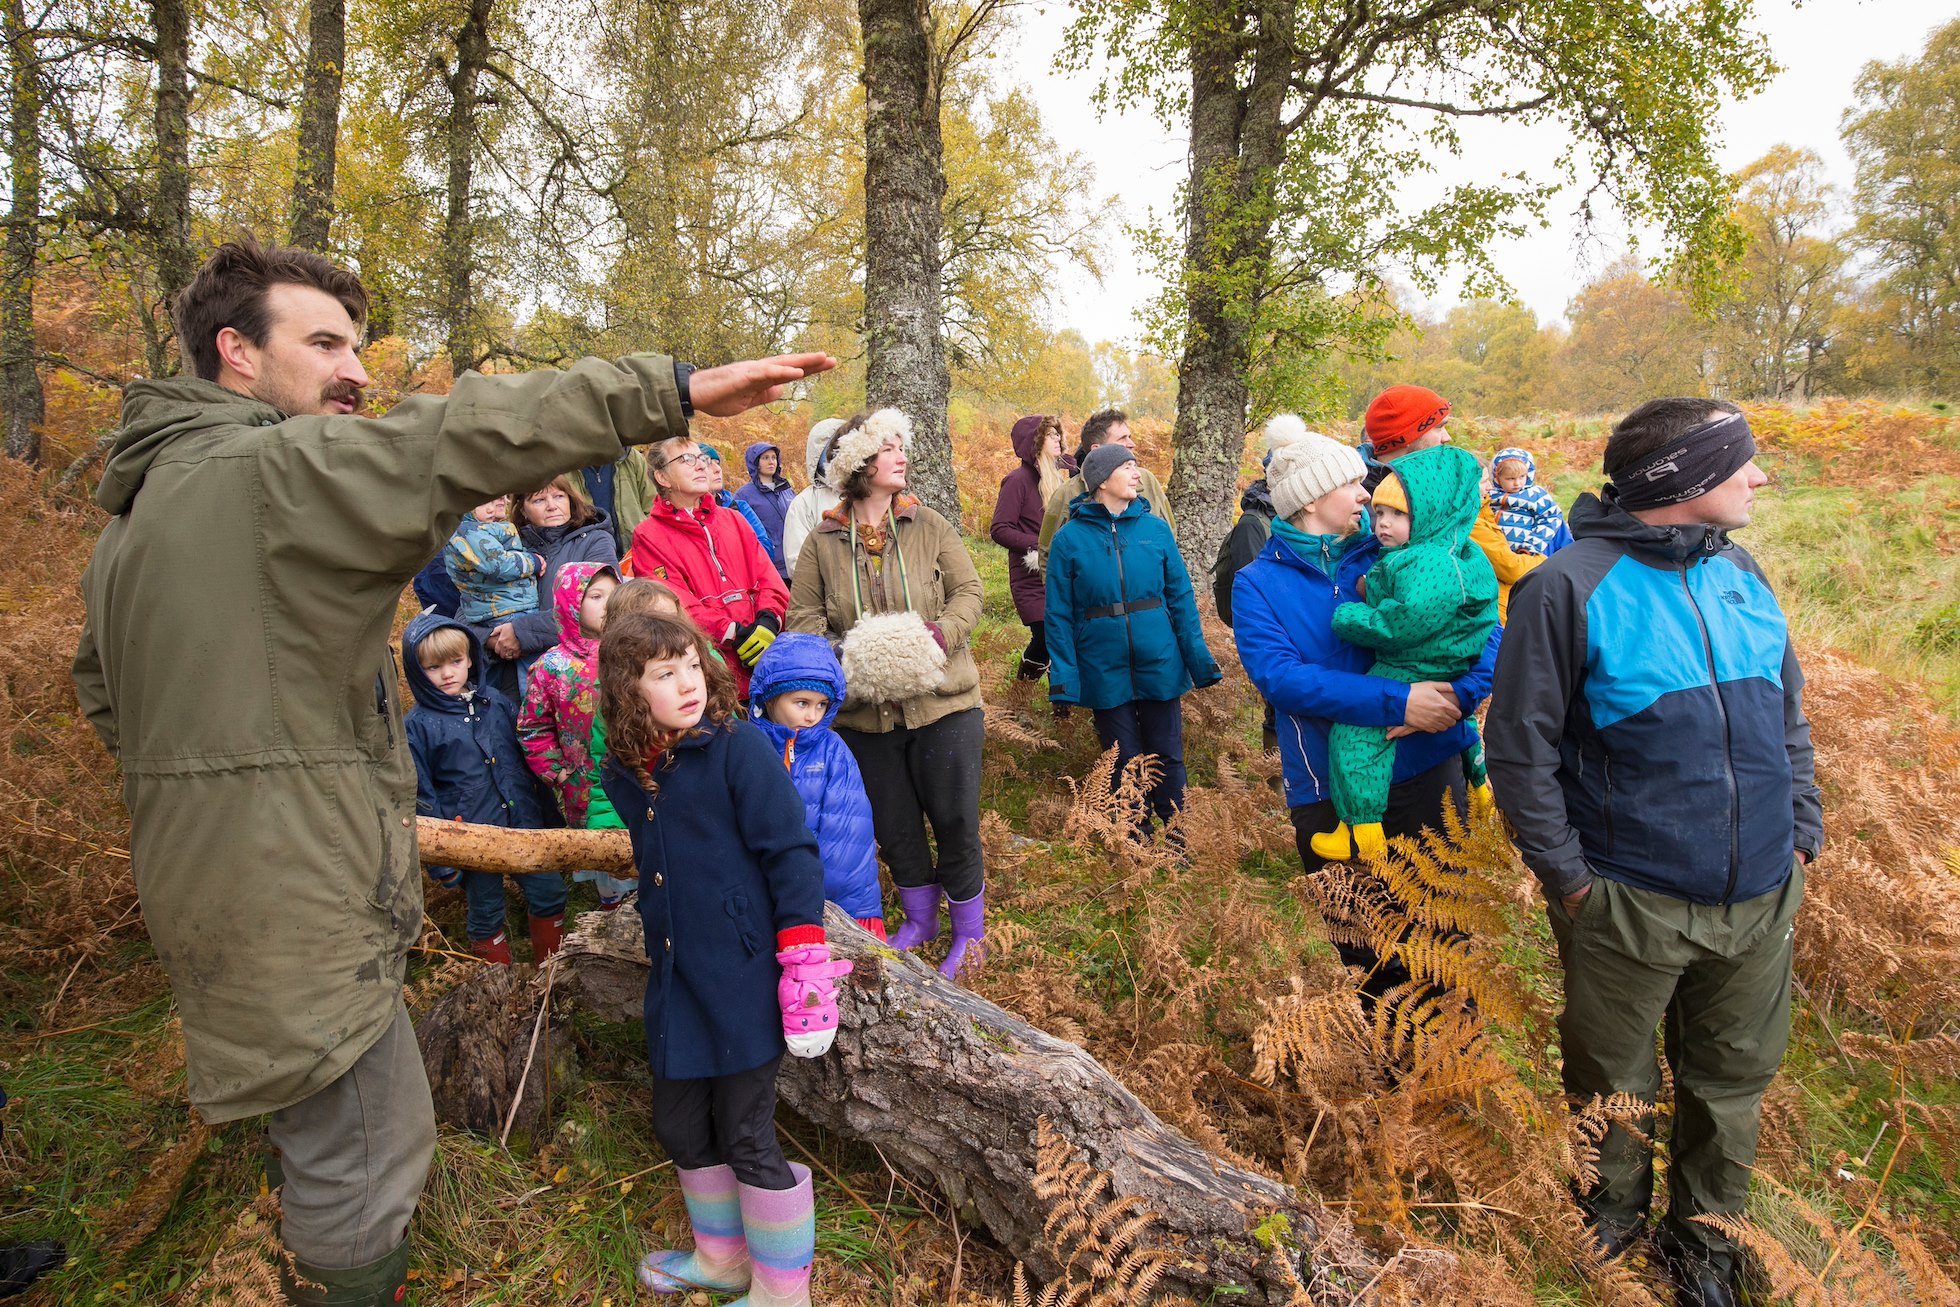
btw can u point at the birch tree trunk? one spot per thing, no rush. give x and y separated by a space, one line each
904 187
170 219
25 405
1237 147
458 228
319 124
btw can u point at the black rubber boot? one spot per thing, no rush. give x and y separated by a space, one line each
380 1283
24 1263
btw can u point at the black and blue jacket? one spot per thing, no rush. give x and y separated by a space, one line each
1646 723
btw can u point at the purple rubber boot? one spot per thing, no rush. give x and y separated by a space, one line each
969 933
921 903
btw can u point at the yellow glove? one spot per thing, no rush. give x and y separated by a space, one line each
752 643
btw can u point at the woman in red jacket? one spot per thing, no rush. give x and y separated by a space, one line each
709 557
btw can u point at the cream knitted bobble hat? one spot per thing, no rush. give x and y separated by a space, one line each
856 448
1305 464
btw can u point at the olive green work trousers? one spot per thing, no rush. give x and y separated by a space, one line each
1716 980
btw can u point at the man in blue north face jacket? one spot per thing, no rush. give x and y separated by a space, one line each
1647 741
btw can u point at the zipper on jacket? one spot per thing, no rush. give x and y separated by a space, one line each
1728 742
1608 769
1123 601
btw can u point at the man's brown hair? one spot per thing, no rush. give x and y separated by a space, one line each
230 290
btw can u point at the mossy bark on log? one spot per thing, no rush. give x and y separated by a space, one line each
474 1042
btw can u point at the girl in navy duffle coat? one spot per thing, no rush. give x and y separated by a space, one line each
731 898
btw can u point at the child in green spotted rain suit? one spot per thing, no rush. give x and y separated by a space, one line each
1431 601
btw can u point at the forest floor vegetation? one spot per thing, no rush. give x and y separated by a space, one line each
1206 983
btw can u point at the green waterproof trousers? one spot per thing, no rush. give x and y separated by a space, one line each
1717 980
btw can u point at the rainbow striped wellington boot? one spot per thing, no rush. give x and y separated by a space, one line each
781 1226
720 1259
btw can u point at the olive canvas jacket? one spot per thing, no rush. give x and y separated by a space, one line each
941 586
234 657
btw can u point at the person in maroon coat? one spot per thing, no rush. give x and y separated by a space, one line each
1024 495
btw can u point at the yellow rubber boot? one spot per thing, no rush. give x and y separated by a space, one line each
1483 803
1369 841
1333 845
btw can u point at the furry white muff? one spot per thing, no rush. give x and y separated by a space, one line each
891 657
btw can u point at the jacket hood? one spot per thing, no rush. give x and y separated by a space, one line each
1511 453
1445 489
154 413
1026 439
1600 517
819 440
567 593
1258 498
419 684
795 656
753 455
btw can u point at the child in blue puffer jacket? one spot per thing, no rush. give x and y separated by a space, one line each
468 767
794 696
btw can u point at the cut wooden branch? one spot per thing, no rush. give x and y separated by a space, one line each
952 1089
522 852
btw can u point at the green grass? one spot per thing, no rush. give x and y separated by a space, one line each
91 1115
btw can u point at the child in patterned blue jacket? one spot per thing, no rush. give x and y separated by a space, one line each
495 576
794 696
1526 512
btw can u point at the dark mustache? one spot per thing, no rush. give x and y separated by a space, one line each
347 391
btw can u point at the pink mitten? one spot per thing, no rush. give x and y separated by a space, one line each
808 996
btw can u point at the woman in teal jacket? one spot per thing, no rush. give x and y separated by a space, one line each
1122 624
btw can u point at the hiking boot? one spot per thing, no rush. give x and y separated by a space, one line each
380 1283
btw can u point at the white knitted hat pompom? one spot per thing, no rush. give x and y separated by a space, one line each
1305 465
859 447
891 657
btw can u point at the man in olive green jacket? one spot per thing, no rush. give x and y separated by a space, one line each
235 659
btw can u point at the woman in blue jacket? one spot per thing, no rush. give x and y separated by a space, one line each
1282 615
1122 624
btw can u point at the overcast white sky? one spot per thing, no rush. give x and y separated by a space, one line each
1821 45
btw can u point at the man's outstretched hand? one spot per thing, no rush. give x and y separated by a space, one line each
737 387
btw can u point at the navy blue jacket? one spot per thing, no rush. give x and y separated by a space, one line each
729 874
1283 618
1122 624
468 764
434 589
835 806
537 630
1647 720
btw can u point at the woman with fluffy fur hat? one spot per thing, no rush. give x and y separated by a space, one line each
890 582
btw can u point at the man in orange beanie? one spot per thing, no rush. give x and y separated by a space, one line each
1404 419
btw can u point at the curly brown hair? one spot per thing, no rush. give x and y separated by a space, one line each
628 645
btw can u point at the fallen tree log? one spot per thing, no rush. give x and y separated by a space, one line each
521 852
953 1090
476 1043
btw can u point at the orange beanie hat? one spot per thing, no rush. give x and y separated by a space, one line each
1401 415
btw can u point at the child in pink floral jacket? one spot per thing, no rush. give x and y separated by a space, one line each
555 726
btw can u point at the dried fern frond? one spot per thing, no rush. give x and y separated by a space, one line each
1097 1236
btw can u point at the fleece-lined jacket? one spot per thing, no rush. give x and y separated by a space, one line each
1647 720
